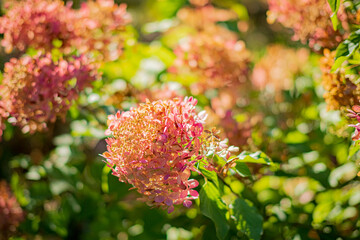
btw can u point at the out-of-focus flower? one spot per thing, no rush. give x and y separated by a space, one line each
36 23
340 90
156 146
277 69
36 90
237 133
96 27
204 18
199 3
163 93
11 213
214 60
100 25
310 21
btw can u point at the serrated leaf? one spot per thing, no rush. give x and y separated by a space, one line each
247 218
214 208
256 157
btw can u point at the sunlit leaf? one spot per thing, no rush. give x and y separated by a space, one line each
248 220
214 208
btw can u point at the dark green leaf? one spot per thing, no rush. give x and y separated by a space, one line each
214 208
248 220
242 169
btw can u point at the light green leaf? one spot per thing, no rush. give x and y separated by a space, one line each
210 175
295 137
248 220
214 208
256 157
354 148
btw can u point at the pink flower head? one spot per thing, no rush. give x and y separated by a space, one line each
154 147
100 27
310 21
11 213
355 113
214 60
36 90
278 68
36 23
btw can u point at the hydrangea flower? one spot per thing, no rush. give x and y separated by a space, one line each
354 112
214 60
11 213
36 23
310 20
276 70
155 148
96 27
99 27
340 89
37 90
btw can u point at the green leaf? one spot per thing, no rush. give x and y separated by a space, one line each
242 169
348 47
104 179
354 148
248 220
296 137
214 208
256 157
334 5
210 175
334 21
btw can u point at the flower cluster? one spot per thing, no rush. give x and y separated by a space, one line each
36 90
156 146
354 112
205 17
37 23
95 27
99 27
214 60
11 213
276 70
310 21
340 90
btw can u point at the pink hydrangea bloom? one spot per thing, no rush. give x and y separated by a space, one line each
355 113
36 23
154 147
100 27
11 213
213 60
310 20
36 90
96 27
